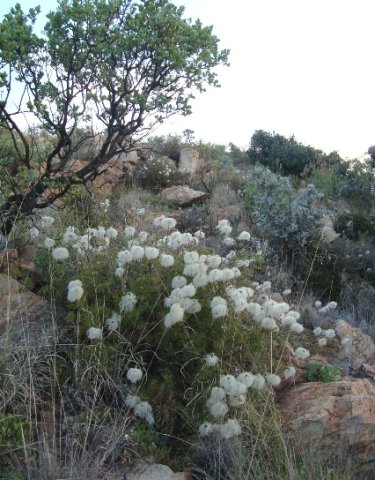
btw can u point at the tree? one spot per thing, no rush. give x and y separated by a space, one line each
280 154
111 69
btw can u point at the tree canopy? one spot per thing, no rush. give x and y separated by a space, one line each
111 69
281 154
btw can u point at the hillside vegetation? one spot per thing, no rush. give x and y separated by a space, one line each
173 331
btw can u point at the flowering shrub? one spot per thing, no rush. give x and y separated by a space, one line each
157 173
177 330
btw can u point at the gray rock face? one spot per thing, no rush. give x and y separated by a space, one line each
20 308
143 470
359 348
189 160
183 195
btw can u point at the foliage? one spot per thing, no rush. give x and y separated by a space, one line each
280 154
317 372
157 173
330 180
127 64
353 225
280 212
168 146
359 179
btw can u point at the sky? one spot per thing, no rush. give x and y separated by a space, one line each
297 67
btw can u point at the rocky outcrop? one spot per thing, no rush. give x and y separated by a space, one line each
183 195
189 161
335 421
357 348
19 307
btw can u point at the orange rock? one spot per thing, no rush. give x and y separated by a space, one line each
334 420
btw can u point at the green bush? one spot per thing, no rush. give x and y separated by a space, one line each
317 372
353 225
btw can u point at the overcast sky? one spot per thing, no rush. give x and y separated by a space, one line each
298 67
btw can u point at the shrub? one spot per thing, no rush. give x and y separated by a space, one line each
157 173
317 372
280 212
280 154
353 225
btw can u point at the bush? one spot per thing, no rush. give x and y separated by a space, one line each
353 225
281 213
280 154
317 372
168 146
157 173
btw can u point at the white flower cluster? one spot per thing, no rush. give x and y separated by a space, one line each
244 236
141 409
60 254
128 303
33 232
49 243
95 239
223 227
94 333
239 297
211 360
325 334
113 322
180 301
75 290
219 307
232 394
46 222
328 308
166 223
271 315
176 240
134 375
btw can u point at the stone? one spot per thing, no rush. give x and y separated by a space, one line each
189 161
19 307
183 195
335 421
131 157
360 349
142 470
328 234
327 231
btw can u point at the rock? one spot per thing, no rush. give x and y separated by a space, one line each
8 254
327 231
143 470
360 349
130 157
335 421
189 161
20 307
183 195
328 234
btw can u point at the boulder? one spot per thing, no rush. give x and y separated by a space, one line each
359 349
129 157
328 233
20 307
142 470
335 421
189 161
183 195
